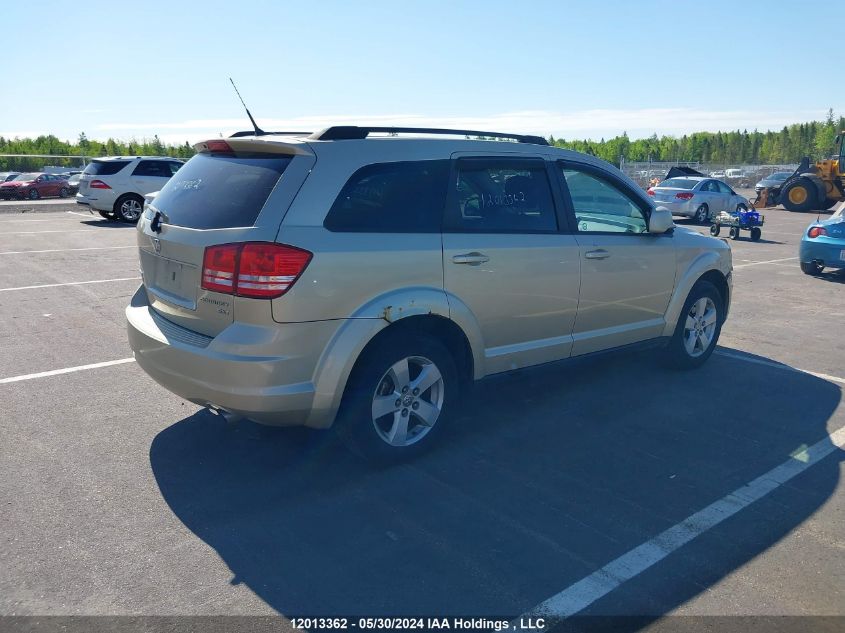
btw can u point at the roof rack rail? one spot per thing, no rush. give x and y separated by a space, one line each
349 132
252 133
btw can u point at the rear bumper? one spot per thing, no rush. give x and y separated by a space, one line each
828 254
100 202
263 373
685 209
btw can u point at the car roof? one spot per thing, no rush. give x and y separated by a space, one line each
105 159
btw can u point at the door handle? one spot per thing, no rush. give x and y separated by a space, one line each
597 254
473 259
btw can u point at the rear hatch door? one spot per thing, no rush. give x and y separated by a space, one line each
217 197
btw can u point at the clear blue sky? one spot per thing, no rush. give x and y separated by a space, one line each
572 69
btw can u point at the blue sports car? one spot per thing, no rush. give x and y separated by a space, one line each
823 244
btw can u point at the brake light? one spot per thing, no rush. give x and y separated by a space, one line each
218 146
816 231
98 184
253 269
650 191
684 195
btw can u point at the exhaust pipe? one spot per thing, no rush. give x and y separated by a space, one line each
228 416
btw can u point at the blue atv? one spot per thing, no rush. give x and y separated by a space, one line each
740 220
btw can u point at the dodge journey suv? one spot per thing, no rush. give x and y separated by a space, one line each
349 280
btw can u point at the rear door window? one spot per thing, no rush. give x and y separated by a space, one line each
401 197
105 167
501 196
216 191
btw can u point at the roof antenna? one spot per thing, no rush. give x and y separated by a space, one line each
258 130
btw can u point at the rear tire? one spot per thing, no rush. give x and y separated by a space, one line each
410 422
734 233
698 328
702 214
811 268
756 233
129 207
63 192
715 229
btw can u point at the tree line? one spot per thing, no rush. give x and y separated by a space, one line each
82 147
787 146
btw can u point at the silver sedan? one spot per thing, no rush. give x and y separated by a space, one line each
697 197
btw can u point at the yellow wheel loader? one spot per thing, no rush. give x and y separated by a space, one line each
816 186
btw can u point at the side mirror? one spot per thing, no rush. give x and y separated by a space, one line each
660 221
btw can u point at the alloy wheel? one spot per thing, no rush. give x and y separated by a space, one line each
700 326
407 401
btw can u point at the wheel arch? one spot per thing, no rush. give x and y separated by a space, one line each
420 310
705 267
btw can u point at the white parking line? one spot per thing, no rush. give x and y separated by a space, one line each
42 232
601 582
776 365
70 283
84 215
66 370
770 261
66 250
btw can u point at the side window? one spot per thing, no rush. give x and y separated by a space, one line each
501 196
402 197
174 167
154 168
600 206
723 188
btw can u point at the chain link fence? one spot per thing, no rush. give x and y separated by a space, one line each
739 176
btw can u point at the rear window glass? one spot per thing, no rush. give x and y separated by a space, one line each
679 183
105 167
401 197
220 191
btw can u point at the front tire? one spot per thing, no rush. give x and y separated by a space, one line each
398 398
715 229
702 214
734 233
33 194
799 195
698 328
128 208
756 233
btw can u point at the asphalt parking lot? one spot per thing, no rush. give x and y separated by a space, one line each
553 494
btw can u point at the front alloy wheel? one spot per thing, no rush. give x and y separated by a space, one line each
700 327
408 401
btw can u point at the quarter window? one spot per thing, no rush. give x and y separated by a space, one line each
401 197
600 206
502 196
153 168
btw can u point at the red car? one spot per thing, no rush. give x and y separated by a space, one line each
34 186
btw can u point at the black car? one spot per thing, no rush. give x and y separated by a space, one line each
773 181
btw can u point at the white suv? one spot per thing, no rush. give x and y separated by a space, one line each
115 186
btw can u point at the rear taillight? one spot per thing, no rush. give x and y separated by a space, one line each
217 147
253 269
816 231
98 184
684 195
650 191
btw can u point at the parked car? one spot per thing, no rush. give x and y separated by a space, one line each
717 174
33 186
115 186
823 244
773 181
361 283
697 197
73 182
6 176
